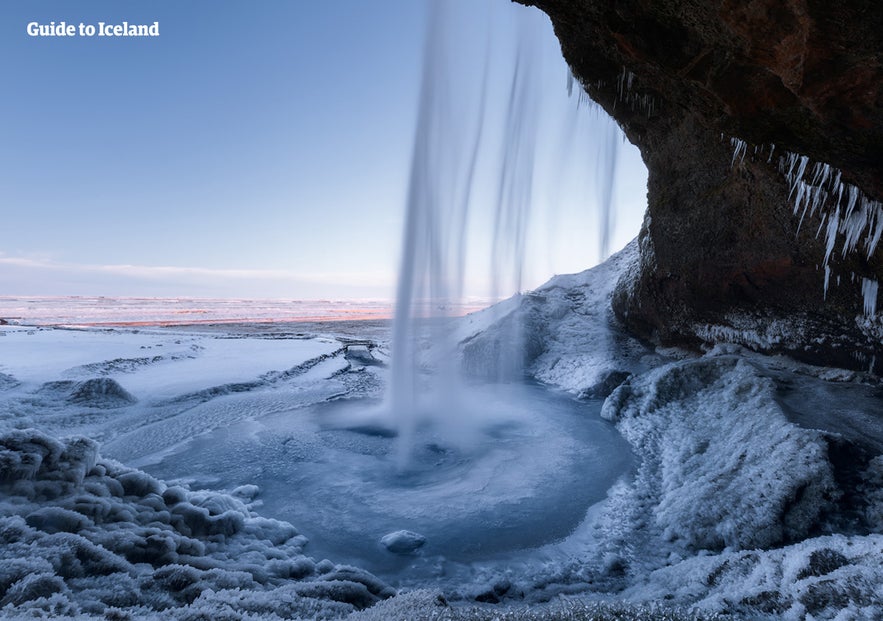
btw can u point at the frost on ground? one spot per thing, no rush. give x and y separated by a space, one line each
758 490
82 534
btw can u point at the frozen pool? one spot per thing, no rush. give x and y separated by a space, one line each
534 461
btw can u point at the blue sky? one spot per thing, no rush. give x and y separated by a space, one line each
252 150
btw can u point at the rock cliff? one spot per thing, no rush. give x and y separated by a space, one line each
761 125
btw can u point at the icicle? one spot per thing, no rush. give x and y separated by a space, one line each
821 225
831 236
874 239
792 160
799 178
817 173
799 198
827 278
852 227
772 150
740 146
819 200
853 197
826 176
626 78
869 293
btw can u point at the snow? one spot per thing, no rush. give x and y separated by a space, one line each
571 340
144 391
735 480
150 363
80 533
129 311
754 490
722 466
831 577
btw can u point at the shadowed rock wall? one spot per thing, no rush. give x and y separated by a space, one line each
722 253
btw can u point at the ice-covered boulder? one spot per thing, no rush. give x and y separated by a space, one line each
101 392
403 541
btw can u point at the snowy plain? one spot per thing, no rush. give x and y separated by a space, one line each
208 471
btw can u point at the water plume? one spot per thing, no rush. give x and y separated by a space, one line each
431 274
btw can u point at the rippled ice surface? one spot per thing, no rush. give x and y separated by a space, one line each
531 465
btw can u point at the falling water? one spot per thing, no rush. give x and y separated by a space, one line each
606 174
431 273
454 134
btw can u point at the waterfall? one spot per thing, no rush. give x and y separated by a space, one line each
462 134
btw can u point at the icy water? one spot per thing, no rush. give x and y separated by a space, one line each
535 464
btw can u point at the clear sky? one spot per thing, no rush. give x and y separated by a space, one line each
251 150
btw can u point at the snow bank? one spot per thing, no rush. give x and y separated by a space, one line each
81 534
563 334
721 464
725 479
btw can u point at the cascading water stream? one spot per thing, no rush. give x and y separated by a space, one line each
456 140
431 274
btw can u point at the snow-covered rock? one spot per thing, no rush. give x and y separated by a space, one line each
101 392
403 541
831 577
721 465
563 333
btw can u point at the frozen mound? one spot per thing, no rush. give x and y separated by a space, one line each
83 535
98 392
721 466
563 333
730 498
101 392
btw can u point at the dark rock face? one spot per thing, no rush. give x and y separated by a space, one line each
722 253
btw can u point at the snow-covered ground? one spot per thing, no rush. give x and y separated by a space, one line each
632 484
